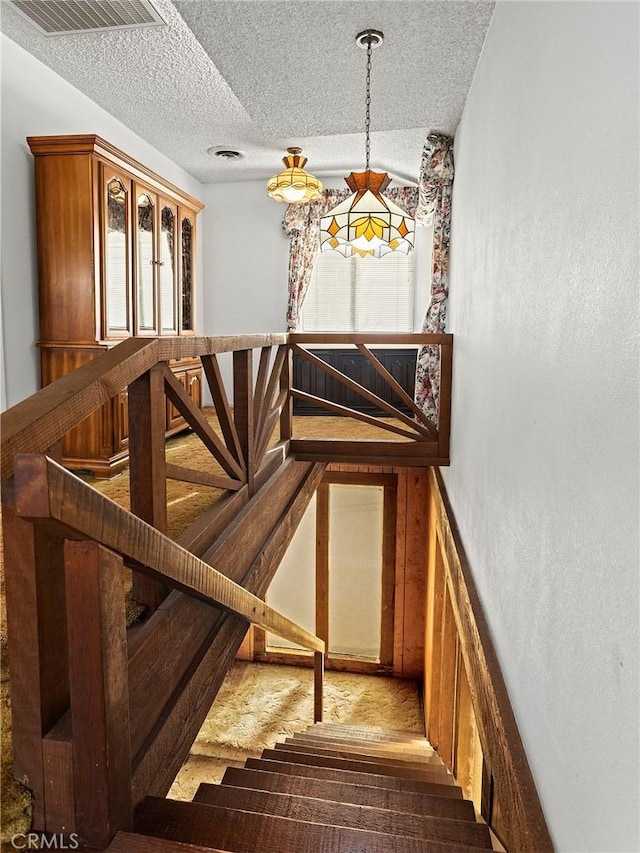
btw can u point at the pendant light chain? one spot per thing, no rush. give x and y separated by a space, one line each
367 223
367 121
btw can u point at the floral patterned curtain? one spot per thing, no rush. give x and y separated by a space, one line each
434 205
302 224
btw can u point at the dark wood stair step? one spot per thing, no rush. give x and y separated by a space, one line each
306 808
245 832
427 763
418 751
130 842
347 792
440 777
380 780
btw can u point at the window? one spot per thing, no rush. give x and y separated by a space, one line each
337 577
360 294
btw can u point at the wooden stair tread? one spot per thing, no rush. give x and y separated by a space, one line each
418 751
438 776
374 779
244 832
428 763
306 808
347 792
130 842
372 733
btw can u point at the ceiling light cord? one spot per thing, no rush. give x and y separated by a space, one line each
367 120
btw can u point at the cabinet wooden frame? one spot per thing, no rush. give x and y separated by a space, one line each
108 177
78 319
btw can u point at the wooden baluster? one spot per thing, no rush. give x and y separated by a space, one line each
243 409
98 674
224 414
322 563
286 381
147 469
318 684
444 406
259 402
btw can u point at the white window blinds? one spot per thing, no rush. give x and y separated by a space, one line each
360 294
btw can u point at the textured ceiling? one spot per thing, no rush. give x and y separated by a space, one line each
261 75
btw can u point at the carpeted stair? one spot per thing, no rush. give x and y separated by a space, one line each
331 789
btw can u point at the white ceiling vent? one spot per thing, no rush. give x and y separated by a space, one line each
64 17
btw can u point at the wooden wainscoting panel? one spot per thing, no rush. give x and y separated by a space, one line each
411 571
511 800
448 698
468 752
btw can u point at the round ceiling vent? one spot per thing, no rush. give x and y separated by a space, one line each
225 153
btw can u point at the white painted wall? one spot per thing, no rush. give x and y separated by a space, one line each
37 102
246 260
246 257
544 478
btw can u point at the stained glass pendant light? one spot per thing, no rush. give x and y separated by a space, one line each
293 185
367 223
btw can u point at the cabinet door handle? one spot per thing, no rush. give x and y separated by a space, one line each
157 263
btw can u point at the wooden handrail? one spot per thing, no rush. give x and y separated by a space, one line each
35 424
44 491
409 338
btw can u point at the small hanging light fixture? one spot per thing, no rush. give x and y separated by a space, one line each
367 223
293 185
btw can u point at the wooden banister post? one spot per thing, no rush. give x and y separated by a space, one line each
148 469
318 685
37 651
99 685
444 407
286 382
243 409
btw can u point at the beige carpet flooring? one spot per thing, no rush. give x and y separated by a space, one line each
260 704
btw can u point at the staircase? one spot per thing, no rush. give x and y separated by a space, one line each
331 788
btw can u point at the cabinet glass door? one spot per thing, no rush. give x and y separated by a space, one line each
187 274
145 262
167 267
116 264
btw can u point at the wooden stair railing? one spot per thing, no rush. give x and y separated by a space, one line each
425 443
98 536
63 576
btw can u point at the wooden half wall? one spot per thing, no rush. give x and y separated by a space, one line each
468 715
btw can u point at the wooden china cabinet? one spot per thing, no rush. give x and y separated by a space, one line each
116 255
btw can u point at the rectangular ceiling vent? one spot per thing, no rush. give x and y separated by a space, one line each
65 17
